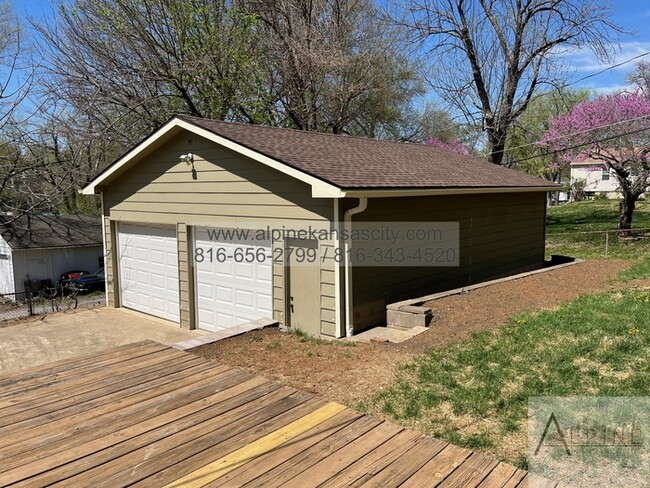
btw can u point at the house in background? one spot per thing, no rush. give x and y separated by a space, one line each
44 247
597 177
169 200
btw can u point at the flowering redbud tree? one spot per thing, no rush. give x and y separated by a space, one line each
614 130
453 145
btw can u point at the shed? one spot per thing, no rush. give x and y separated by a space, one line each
172 205
45 246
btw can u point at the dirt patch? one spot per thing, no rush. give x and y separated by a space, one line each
457 317
342 371
349 373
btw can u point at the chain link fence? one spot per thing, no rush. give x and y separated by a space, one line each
609 243
15 306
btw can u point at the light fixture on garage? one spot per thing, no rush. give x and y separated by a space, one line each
189 160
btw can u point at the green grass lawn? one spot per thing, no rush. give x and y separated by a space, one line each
475 393
578 230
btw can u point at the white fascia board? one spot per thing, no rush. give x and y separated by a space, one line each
320 188
90 189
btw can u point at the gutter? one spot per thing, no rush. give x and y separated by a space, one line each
415 192
347 222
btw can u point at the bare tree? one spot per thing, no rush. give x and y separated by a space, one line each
327 65
336 65
487 58
16 75
17 79
129 65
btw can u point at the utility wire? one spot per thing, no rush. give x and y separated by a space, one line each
605 126
577 146
566 85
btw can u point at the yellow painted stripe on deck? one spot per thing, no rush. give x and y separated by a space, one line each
243 455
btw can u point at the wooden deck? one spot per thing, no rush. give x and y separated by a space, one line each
148 415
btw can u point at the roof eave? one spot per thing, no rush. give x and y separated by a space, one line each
416 192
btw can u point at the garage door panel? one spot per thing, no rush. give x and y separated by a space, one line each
230 293
148 262
265 301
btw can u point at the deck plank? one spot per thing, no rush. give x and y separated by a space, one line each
371 464
104 426
79 414
503 476
249 452
91 413
301 462
331 465
306 441
45 400
26 380
535 481
145 414
182 460
471 473
109 455
439 467
402 468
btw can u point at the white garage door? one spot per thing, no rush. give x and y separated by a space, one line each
233 282
148 262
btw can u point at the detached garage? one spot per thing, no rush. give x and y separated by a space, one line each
210 224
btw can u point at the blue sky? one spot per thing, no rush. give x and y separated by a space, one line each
633 15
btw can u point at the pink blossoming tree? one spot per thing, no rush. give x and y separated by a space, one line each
453 145
614 130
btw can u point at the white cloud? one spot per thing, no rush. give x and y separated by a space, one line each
584 61
608 89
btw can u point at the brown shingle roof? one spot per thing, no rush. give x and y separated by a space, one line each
43 231
355 162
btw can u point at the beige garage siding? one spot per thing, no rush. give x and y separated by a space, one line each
499 235
226 188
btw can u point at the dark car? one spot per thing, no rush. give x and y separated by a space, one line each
90 282
68 276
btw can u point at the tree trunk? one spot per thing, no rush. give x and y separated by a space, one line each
626 209
497 143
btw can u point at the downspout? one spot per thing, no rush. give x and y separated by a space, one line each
340 329
347 222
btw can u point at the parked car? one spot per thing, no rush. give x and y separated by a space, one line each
68 276
90 282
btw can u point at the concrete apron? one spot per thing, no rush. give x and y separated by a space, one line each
68 334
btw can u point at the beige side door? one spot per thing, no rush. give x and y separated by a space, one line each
303 285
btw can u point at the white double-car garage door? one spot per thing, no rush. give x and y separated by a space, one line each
231 287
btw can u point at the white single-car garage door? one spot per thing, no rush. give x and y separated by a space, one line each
148 264
233 279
